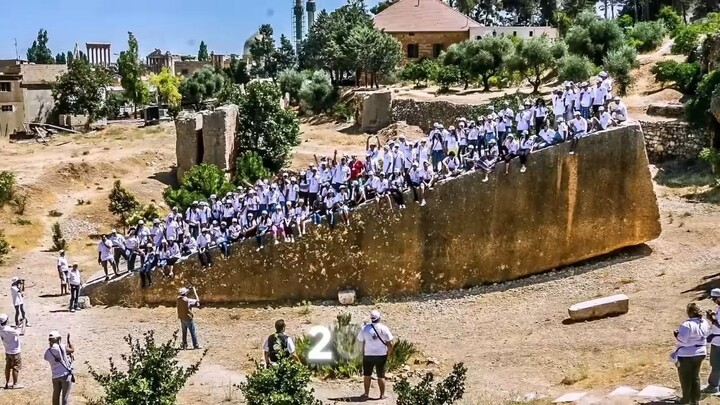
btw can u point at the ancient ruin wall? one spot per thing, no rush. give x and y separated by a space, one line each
666 140
564 209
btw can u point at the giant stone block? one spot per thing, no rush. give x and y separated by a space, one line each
219 136
188 142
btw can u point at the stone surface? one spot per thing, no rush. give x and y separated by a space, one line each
669 110
666 140
593 202
569 397
346 297
375 110
597 308
218 134
424 113
188 141
656 391
624 392
84 302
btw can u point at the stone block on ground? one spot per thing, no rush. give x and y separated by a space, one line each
218 134
656 391
598 308
624 392
569 397
84 302
376 111
346 297
188 129
669 110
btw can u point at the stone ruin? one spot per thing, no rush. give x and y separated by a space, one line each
206 137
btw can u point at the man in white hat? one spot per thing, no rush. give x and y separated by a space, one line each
105 256
377 345
58 356
17 289
10 337
62 268
619 111
714 340
185 314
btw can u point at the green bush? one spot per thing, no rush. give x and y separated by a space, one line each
670 19
7 187
446 392
249 167
317 93
285 383
625 21
448 76
593 37
4 247
697 110
58 240
199 183
647 35
686 76
147 213
687 38
153 375
122 203
618 63
575 68
291 81
420 72
710 156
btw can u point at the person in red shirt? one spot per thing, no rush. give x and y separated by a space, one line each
357 167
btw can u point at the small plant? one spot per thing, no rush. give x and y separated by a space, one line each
4 246
7 187
122 202
249 167
712 157
23 221
286 383
55 213
20 202
230 391
306 308
153 375
59 242
446 392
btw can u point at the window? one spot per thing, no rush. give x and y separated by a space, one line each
494 33
514 33
413 51
7 108
411 34
437 49
531 33
184 71
5 86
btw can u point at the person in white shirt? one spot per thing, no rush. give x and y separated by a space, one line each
278 224
714 340
488 160
105 256
75 284
377 346
132 249
619 112
525 118
118 246
562 130
279 345
381 185
690 351
602 121
17 290
510 149
427 174
451 164
599 94
301 212
507 113
585 97
62 268
10 337
61 368
203 246
527 144
437 145
607 83
416 183
578 126
539 114
569 97
558 104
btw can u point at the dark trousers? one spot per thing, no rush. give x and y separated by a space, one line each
118 253
398 196
205 258
146 273
714 378
689 373
131 257
74 292
19 310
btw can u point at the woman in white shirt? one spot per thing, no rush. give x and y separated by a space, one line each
510 149
539 114
63 268
278 224
690 351
451 164
527 144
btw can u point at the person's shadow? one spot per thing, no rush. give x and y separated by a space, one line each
356 398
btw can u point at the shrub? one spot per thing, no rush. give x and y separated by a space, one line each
7 187
286 383
420 72
618 63
147 213
291 81
593 37
686 76
575 68
625 21
448 76
122 202
317 93
4 247
153 375
199 183
647 35
687 38
20 201
54 213
697 110
249 167
446 392
711 156
670 19
58 240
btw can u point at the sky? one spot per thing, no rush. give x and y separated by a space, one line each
177 26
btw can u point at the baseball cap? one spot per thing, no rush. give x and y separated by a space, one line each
3 318
374 315
183 291
54 335
715 293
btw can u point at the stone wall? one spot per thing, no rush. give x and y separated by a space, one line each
666 140
424 113
426 41
564 209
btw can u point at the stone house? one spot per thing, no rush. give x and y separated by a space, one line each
26 94
425 28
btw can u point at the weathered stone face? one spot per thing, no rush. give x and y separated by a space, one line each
425 113
375 110
666 140
564 209
188 137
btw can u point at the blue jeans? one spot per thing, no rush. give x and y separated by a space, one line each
131 257
224 248
437 157
185 326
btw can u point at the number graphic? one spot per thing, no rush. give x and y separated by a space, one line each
319 352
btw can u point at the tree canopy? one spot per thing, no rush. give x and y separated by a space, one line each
203 55
201 86
39 52
80 90
167 86
131 71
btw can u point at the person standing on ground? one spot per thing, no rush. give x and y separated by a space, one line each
58 355
377 345
185 314
10 337
75 283
105 256
714 340
62 267
17 290
279 345
691 341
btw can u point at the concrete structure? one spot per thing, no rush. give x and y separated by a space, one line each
98 53
298 23
26 95
311 7
564 209
524 32
186 68
600 307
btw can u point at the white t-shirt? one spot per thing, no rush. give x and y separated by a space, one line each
373 345
16 295
74 277
11 339
105 251
604 119
58 359
340 173
62 263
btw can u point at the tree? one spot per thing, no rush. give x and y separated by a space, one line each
199 183
201 86
421 72
446 392
131 71
593 37
380 7
618 63
575 68
153 375
291 81
262 54
39 52
249 167
448 76
372 51
122 202
284 55
69 58
167 86
646 36
482 58
203 55
535 57
80 90
317 93
60 59
237 72
670 19
286 383
58 240
265 127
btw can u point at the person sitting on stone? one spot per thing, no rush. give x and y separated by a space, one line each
602 121
619 111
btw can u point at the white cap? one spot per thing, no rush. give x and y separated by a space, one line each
715 293
374 315
183 291
3 318
14 280
54 335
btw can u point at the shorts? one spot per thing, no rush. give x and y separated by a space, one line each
13 362
374 362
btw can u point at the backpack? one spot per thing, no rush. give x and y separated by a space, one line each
273 349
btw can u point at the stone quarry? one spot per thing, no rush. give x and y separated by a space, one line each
470 233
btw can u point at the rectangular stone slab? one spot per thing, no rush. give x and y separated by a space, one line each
597 308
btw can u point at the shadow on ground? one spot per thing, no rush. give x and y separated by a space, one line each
684 173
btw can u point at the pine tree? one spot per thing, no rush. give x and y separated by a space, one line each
203 55
39 52
131 71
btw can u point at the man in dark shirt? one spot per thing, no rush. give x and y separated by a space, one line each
184 310
279 345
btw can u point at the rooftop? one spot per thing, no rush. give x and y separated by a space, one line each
39 74
423 16
97 43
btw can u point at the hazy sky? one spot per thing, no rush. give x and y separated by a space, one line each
177 26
